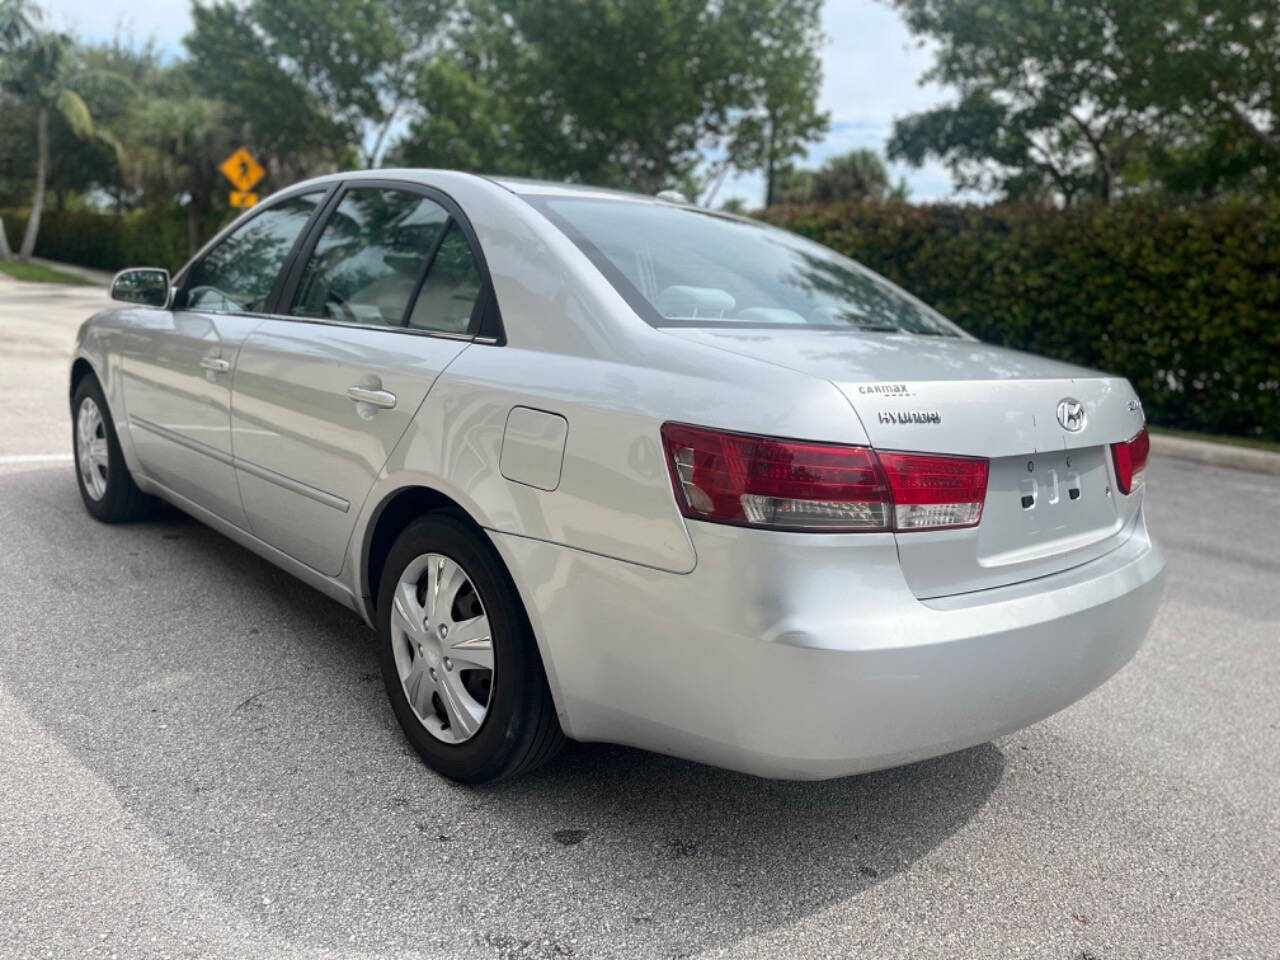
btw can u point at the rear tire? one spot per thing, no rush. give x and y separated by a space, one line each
106 486
467 722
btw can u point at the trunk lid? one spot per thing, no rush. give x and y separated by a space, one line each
1051 498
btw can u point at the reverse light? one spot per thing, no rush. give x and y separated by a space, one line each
798 485
1130 460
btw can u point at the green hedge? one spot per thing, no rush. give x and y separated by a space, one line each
107 241
1183 302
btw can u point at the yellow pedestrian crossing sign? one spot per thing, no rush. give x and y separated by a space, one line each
242 198
243 170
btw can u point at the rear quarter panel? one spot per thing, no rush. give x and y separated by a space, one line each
614 497
576 349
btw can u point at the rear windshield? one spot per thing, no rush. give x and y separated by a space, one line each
681 266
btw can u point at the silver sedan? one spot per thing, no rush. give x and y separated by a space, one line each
616 468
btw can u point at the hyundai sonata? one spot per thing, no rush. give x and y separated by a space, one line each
616 468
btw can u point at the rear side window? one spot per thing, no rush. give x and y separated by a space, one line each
369 258
447 301
237 275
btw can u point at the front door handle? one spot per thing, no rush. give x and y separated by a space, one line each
216 364
384 399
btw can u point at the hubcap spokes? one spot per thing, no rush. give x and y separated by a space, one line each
443 647
91 448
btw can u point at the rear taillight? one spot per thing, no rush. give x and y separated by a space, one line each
932 492
797 485
760 481
1130 459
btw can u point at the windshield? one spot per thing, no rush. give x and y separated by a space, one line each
681 266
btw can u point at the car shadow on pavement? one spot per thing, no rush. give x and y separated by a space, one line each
239 716
703 858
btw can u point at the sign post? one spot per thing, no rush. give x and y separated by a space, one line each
244 172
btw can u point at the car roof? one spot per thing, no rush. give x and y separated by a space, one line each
526 186
521 186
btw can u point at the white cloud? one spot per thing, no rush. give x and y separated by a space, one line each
871 72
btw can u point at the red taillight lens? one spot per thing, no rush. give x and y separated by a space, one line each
786 484
931 492
1130 459
797 485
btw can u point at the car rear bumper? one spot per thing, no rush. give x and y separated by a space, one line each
806 656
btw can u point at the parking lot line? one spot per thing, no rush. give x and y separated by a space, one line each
35 458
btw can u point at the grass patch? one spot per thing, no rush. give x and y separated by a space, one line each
1269 445
38 273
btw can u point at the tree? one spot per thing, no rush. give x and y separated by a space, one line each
180 140
471 106
39 74
853 177
1215 79
1049 103
616 92
19 23
857 175
5 252
309 80
1069 101
794 185
113 79
786 79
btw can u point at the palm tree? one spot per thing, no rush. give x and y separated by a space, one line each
180 140
39 74
5 252
852 177
19 23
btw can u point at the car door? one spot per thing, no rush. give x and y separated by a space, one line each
178 363
387 293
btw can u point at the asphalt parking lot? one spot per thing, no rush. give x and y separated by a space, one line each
197 759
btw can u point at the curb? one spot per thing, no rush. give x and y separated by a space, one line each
1216 454
98 278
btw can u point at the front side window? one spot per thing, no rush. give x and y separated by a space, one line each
237 275
681 266
369 258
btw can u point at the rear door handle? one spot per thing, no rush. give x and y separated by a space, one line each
384 399
216 364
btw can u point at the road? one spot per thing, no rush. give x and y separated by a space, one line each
197 760
38 324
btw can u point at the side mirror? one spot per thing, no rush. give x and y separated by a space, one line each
148 286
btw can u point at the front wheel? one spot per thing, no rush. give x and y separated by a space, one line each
458 657
106 486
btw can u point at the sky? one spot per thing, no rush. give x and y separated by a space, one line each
871 71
